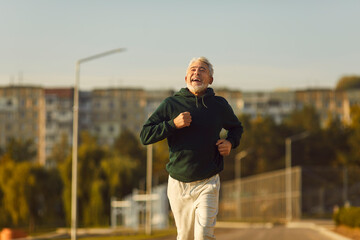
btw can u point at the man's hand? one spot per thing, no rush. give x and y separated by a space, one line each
224 147
183 120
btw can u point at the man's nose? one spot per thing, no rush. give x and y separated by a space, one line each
197 71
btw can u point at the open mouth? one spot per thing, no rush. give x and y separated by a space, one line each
196 80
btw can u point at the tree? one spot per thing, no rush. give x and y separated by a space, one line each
127 145
335 142
354 139
90 155
263 141
30 195
7 169
120 175
60 151
21 150
306 119
348 83
267 146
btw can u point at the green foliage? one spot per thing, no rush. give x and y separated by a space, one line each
120 174
90 155
354 139
348 83
20 150
264 141
349 216
102 173
306 119
29 195
60 152
128 145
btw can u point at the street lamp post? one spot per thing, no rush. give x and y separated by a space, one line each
238 158
148 227
288 180
75 137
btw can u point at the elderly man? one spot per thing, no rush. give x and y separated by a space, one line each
191 120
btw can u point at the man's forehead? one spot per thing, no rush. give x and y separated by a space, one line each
198 64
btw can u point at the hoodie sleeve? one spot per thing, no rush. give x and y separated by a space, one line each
233 126
159 125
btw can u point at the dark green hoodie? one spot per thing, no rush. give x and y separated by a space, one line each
193 151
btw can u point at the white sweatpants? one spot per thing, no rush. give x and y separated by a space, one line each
195 206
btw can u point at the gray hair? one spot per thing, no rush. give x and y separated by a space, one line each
204 60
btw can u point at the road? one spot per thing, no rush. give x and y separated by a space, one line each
275 233
267 233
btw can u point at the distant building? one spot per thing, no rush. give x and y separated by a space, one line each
154 98
326 102
114 110
351 98
277 104
22 116
59 116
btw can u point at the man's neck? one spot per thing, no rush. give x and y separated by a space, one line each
198 94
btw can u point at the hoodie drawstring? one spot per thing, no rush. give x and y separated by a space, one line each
202 100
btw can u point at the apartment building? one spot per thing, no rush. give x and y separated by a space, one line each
154 98
113 110
326 102
59 116
276 104
22 116
350 98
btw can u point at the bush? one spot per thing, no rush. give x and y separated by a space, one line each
349 216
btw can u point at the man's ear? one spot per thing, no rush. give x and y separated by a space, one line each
211 80
185 78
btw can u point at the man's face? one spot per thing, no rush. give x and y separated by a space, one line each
198 77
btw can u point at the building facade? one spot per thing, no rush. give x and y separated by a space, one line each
114 110
277 104
22 116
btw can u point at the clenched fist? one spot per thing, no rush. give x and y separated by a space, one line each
182 120
224 147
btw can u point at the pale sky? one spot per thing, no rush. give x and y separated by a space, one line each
253 45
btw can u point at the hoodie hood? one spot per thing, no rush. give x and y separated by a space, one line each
184 92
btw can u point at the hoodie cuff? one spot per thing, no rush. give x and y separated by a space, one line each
171 124
232 143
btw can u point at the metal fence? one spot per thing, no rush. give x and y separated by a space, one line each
260 197
315 192
327 188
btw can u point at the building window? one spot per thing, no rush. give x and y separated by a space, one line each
111 105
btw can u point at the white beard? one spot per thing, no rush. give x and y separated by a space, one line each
197 88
